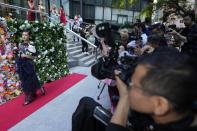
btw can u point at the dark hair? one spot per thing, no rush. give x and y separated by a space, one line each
147 20
173 26
62 6
172 75
26 31
157 40
158 26
141 25
191 14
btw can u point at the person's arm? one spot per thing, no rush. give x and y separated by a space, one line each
147 49
115 127
119 119
105 49
183 38
120 116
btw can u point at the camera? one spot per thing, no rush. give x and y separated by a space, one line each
105 66
109 32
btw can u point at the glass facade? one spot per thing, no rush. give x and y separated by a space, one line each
16 12
93 10
23 3
5 10
104 10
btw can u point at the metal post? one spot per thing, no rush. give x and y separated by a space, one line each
140 7
49 12
195 7
81 8
111 10
103 9
133 15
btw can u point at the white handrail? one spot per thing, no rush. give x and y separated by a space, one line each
21 8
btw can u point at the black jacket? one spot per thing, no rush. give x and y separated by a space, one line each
191 46
186 124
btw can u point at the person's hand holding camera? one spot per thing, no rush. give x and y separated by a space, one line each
137 50
122 87
121 114
147 49
183 38
105 48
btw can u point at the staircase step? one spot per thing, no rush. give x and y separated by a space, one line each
73 44
75 52
89 63
72 63
69 49
75 55
79 56
87 58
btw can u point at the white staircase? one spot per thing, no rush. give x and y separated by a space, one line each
75 55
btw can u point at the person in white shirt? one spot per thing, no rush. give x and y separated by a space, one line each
141 36
80 19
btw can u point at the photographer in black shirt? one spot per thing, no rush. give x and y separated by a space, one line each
189 35
164 88
161 97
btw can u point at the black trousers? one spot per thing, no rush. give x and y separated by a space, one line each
82 118
84 46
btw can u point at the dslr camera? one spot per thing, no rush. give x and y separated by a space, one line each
105 66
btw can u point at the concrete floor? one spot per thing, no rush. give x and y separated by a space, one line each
56 115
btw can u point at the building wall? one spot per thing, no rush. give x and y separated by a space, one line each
16 13
114 15
65 3
196 8
97 11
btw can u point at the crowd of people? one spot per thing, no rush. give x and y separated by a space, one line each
57 16
85 30
161 94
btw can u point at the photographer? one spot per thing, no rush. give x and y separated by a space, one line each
189 35
154 42
140 37
161 97
164 90
124 37
158 29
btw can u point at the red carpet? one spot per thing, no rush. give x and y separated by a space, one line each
13 111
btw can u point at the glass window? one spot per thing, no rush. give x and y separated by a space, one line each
99 2
4 11
89 12
107 3
118 4
88 1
